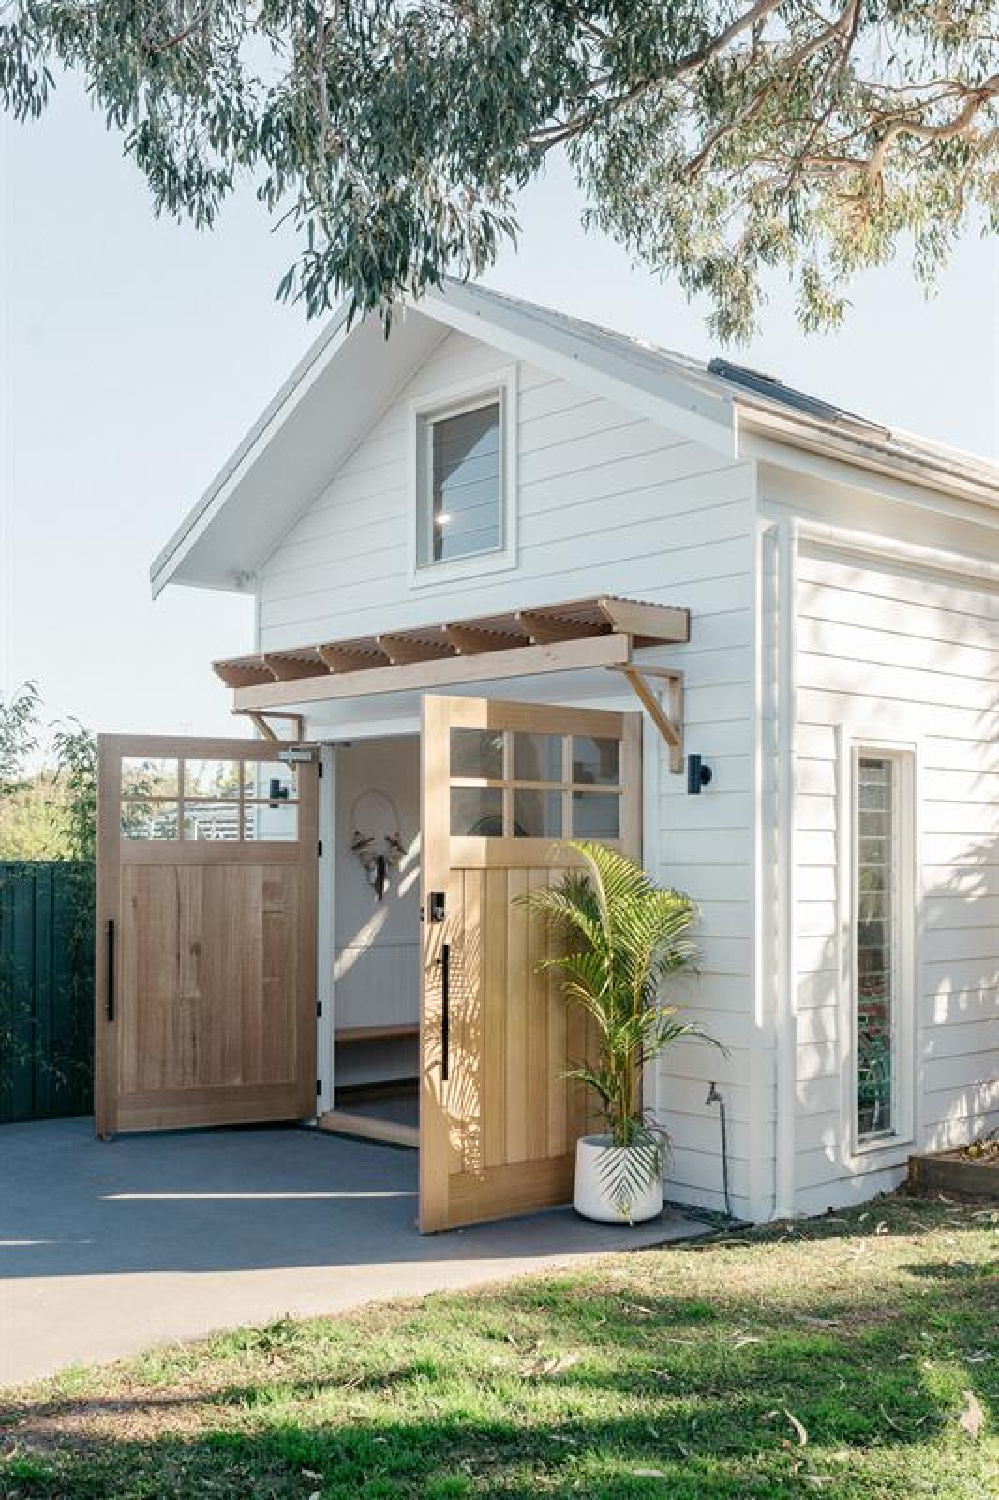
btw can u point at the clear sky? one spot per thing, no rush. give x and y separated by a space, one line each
135 354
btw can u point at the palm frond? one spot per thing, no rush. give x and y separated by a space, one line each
625 938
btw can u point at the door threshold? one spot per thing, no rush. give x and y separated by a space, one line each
368 1127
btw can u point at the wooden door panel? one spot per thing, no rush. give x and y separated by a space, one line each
498 1133
213 1008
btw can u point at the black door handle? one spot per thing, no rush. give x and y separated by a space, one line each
445 1008
109 1002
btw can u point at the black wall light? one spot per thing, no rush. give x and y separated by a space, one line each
698 775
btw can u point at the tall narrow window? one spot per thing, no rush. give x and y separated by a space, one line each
462 506
881 925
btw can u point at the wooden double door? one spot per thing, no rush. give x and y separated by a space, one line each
206 923
504 785
206 939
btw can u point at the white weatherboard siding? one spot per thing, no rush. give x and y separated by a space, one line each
897 653
607 503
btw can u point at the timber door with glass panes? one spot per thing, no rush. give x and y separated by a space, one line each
206 923
503 785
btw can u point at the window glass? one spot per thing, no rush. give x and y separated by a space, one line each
211 820
595 762
876 941
477 752
270 780
218 779
596 815
150 820
537 814
465 511
537 757
270 822
143 776
477 811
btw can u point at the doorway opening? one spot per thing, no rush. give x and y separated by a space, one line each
376 940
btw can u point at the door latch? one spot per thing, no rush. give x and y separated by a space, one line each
436 907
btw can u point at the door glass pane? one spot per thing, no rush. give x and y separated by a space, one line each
211 820
150 820
218 779
876 941
595 762
477 752
270 780
265 822
145 776
596 815
477 810
536 814
537 757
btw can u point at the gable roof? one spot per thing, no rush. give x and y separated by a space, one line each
351 374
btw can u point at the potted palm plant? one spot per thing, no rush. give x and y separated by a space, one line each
624 938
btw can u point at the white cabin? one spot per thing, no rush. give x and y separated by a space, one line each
841 683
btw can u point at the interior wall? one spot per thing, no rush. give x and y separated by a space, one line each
377 968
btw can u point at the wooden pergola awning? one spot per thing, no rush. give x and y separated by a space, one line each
601 631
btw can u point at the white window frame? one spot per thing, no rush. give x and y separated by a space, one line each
500 386
904 754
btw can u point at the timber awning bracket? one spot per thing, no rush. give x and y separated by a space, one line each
261 721
664 707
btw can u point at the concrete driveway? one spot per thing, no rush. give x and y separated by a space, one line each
106 1249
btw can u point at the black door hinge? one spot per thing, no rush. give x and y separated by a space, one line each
319 1085
319 849
320 765
319 1008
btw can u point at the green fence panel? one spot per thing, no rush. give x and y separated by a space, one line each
46 990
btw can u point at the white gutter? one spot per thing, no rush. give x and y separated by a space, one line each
877 449
786 1019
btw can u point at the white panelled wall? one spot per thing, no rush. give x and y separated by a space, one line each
897 651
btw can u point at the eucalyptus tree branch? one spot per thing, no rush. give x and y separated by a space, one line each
713 139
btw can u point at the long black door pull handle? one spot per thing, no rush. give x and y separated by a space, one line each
445 1008
109 1003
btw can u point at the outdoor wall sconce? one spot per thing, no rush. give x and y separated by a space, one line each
698 775
379 852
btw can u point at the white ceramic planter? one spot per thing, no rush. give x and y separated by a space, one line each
591 1197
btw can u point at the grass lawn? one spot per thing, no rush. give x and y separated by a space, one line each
850 1357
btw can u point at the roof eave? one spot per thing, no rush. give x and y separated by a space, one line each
946 472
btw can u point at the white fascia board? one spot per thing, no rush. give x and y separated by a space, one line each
312 364
664 398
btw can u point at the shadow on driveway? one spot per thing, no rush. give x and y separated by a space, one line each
106 1247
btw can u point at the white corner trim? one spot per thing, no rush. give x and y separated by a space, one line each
450 400
787 817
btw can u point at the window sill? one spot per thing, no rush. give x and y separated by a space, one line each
460 569
882 1145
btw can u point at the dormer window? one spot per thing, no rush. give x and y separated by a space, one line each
463 459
